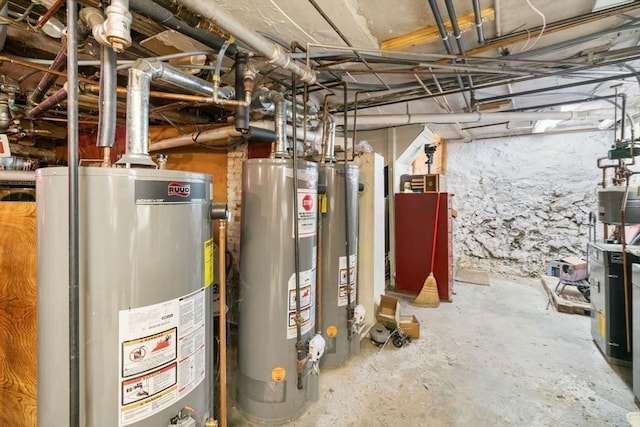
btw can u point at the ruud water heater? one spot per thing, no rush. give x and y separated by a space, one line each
146 266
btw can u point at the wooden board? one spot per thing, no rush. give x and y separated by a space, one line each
570 301
475 277
17 314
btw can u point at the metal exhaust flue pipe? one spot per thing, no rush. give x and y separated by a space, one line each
141 74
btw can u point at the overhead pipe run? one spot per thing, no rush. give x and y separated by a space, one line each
453 18
452 118
274 53
445 40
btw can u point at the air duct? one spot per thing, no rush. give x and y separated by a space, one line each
274 53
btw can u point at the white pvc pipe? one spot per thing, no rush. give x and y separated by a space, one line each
452 118
17 176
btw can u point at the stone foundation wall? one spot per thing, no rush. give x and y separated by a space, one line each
523 201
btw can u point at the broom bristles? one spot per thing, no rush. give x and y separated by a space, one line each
428 296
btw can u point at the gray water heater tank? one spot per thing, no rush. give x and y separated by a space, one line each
267 360
146 269
341 341
610 202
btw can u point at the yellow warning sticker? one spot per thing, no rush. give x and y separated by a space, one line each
323 203
278 374
208 262
332 331
601 323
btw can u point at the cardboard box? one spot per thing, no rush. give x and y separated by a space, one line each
568 268
409 325
389 311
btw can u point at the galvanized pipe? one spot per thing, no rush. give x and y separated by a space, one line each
74 214
280 120
108 97
274 53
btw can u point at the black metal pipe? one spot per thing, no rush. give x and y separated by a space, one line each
74 223
260 134
447 45
623 113
478 19
242 111
296 238
347 229
152 10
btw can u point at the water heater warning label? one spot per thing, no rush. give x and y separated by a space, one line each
162 355
307 212
347 277
307 302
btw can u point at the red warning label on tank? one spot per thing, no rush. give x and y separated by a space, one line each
307 212
179 189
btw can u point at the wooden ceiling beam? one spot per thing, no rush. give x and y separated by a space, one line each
431 34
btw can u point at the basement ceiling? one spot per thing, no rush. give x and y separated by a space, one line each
562 63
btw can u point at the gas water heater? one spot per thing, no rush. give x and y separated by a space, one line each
274 386
339 317
146 266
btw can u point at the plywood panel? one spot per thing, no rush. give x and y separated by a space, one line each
198 159
17 314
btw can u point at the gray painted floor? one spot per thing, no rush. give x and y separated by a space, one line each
496 356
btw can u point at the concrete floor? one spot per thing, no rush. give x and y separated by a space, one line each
496 356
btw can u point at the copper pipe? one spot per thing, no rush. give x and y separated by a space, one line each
49 13
222 333
106 157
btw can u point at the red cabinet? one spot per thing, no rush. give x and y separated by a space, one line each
414 225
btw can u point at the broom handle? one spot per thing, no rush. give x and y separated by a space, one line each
435 232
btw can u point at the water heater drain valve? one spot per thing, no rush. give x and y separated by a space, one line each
316 348
359 313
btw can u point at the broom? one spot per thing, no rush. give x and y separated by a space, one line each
428 296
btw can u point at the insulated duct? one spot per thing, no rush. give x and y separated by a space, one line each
274 53
141 74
